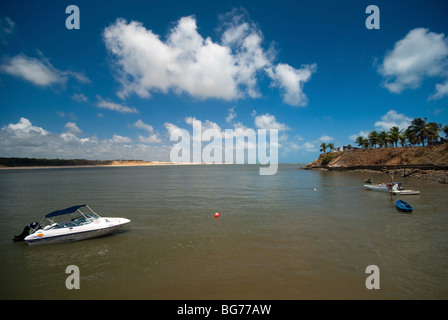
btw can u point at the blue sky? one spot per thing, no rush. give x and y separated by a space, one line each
115 87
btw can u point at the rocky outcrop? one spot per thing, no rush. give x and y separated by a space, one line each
422 162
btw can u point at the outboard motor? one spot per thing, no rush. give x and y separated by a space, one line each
27 231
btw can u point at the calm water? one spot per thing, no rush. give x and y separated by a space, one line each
295 235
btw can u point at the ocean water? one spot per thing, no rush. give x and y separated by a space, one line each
294 235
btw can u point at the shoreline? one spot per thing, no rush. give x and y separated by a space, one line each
113 164
431 172
423 162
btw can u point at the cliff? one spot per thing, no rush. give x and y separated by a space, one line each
429 162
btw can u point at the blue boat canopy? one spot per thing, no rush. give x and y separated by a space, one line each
64 211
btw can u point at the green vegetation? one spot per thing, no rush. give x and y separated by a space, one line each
32 162
418 133
327 159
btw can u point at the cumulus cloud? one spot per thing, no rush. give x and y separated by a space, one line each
170 128
73 128
25 126
120 139
186 62
441 91
363 134
152 137
231 114
23 139
391 119
291 82
268 121
419 55
326 138
242 138
79 97
106 104
206 125
39 72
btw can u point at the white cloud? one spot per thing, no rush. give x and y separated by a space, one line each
73 128
39 72
25 126
170 128
114 106
441 91
326 138
69 137
188 63
185 63
268 121
363 134
152 137
420 54
245 40
120 139
23 139
23 134
231 115
291 81
308 146
141 125
391 119
79 97
206 125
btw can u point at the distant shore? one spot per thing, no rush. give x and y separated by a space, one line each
27 163
429 163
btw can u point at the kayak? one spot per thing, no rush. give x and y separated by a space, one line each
403 206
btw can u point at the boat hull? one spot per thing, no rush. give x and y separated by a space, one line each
377 187
97 229
395 191
406 192
403 206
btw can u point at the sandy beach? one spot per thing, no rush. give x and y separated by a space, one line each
115 163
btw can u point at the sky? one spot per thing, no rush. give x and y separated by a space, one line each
117 85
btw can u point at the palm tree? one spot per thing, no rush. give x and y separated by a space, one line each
445 130
330 146
360 141
417 129
402 139
365 143
411 136
382 139
373 139
394 135
432 130
323 147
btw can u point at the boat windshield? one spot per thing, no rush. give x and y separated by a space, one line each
397 186
75 222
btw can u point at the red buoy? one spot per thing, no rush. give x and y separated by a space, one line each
216 215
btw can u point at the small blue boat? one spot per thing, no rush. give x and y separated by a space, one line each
403 206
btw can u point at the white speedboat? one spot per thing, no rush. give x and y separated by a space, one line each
78 226
384 187
398 189
393 187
